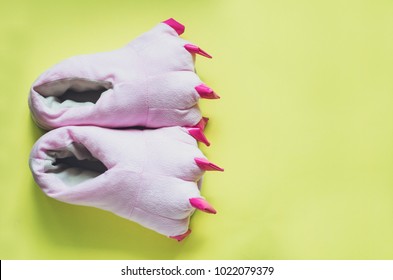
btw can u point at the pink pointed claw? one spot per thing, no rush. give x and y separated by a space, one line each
207 165
197 133
177 26
205 92
181 236
203 205
195 49
202 123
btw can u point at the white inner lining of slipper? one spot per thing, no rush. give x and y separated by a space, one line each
72 92
74 164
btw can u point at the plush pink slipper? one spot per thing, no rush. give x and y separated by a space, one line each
147 176
150 82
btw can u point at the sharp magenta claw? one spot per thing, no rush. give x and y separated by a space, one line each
207 165
202 123
177 26
197 133
181 236
205 92
203 205
197 50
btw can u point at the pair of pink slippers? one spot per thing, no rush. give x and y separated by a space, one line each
150 174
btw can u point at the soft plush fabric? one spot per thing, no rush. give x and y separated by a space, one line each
151 82
148 176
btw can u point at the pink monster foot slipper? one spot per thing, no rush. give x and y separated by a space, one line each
147 176
151 82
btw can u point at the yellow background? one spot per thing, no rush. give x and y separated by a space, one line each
304 129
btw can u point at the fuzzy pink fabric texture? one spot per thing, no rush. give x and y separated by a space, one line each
147 176
150 82
150 176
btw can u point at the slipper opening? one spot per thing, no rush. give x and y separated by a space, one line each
73 91
74 164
